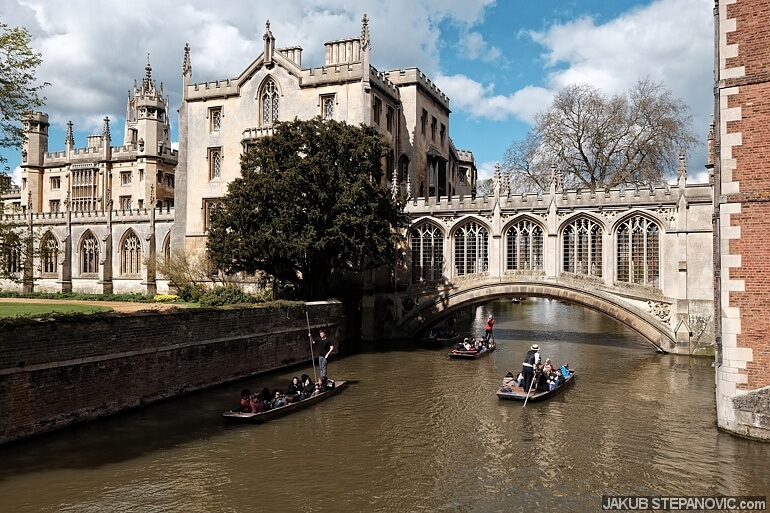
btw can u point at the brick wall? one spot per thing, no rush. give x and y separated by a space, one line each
55 373
752 174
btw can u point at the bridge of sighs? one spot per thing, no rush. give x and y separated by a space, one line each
642 256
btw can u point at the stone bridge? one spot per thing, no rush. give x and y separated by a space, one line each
641 256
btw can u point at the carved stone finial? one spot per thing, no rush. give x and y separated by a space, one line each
106 127
69 139
394 188
186 66
152 195
408 187
681 172
365 42
29 200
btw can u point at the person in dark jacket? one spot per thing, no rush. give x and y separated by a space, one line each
294 390
528 367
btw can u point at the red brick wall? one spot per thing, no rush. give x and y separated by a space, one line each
74 371
752 35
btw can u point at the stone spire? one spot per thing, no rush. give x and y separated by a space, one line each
186 66
269 45
69 140
366 46
681 172
496 180
106 128
147 81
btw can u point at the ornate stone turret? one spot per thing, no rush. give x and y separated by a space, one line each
269 46
69 140
147 116
366 47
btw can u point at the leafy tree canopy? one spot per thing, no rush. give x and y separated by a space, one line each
598 141
307 203
19 93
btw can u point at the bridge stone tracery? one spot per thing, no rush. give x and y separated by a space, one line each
642 256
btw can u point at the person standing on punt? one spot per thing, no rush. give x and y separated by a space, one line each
325 348
528 367
489 326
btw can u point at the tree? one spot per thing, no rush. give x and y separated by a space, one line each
18 93
308 203
598 141
485 187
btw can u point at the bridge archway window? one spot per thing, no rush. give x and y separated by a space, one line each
471 249
639 252
583 247
427 242
524 245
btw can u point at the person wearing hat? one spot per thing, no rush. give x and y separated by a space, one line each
528 368
488 328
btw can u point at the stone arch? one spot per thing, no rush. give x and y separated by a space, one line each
657 333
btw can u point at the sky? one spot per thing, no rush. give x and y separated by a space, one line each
499 61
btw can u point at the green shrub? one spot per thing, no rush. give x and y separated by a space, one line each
227 295
191 292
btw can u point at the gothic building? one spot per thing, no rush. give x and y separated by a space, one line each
219 120
99 213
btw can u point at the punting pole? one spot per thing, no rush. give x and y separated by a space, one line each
310 337
530 390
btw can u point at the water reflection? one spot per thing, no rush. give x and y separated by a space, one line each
415 431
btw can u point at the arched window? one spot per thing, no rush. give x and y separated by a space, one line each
167 249
269 102
524 245
131 255
427 252
639 252
12 254
49 254
89 255
471 249
403 167
583 247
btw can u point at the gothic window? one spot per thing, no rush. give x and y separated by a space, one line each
524 243
12 254
125 202
89 255
215 163
270 102
376 110
125 178
84 190
327 107
49 254
403 166
639 252
427 242
209 207
54 206
167 249
471 249
442 133
389 119
131 255
433 128
423 120
215 118
583 247
55 182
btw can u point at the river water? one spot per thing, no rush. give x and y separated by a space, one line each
414 432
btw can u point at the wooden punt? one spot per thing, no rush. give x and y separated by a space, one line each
238 416
459 354
519 394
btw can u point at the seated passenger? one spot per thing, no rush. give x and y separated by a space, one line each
267 398
279 400
467 345
294 391
565 370
246 401
541 380
257 404
508 382
556 381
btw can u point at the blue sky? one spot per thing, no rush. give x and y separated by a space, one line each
500 62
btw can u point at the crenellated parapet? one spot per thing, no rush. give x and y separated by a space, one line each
411 76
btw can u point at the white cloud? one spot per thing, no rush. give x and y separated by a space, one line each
16 175
486 170
474 46
481 101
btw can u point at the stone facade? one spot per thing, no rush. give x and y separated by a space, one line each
219 120
98 213
741 177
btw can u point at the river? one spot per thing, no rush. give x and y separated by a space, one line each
414 432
